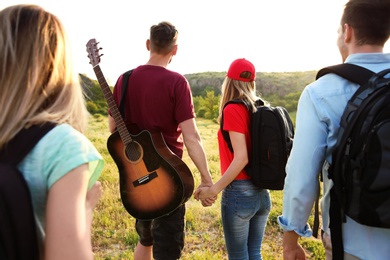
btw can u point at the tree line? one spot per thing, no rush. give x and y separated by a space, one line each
278 89
207 106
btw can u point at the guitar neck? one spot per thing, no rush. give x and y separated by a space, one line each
120 124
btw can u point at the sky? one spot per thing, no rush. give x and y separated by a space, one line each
275 35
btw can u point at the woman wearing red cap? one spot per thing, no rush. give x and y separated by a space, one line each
245 208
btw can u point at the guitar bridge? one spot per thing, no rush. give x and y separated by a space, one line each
145 179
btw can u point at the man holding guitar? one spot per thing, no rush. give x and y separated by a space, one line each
159 99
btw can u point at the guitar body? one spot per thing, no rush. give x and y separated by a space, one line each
153 180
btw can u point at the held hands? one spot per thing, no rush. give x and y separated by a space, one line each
205 195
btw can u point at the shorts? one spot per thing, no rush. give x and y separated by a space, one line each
166 234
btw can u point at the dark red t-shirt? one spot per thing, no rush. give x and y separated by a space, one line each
157 99
235 118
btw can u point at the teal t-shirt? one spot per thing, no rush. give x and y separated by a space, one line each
58 152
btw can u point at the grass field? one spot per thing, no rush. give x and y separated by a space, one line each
114 236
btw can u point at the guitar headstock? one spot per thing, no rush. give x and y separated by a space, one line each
93 52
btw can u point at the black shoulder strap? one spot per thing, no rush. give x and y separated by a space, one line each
349 71
125 80
335 225
23 142
353 73
225 134
18 237
316 224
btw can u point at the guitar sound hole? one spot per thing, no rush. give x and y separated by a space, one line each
134 152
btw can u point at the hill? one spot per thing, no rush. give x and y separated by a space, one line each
267 83
280 88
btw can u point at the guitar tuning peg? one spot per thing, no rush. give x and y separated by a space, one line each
96 44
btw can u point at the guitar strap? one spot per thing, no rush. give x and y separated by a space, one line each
125 80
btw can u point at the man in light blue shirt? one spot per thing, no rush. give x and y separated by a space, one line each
363 32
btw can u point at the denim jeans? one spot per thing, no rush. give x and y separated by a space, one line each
245 210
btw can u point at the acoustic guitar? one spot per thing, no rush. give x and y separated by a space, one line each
153 180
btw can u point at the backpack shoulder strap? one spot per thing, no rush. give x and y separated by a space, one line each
18 237
349 71
125 81
353 73
23 142
225 134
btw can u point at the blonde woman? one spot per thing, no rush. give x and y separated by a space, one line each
38 85
244 207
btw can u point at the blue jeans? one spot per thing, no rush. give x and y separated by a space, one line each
245 210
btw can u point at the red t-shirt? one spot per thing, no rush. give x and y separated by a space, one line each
157 99
235 118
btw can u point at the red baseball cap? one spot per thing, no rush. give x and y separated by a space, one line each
238 66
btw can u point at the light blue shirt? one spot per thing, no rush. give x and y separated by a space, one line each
61 150
319 111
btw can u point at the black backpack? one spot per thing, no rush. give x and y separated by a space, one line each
272 133
360 167
18 236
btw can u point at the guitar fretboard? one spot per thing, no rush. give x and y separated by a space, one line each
120 124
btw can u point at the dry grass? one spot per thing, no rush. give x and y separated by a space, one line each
114 236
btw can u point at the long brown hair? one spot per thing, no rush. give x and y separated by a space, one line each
37 81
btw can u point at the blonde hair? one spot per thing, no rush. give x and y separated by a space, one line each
236 89
37 81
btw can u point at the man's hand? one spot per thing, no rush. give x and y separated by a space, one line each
206 201
93 195
292 250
